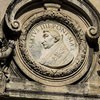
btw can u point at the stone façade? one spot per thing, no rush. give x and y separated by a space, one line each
22 77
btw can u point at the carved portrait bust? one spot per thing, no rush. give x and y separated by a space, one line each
46 43
56 52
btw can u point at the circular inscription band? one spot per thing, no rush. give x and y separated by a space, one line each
53 51
51 44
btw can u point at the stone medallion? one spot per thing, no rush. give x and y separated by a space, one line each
51 44
52 49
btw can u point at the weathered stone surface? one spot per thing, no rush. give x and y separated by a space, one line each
67 69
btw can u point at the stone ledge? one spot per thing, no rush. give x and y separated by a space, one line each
36 90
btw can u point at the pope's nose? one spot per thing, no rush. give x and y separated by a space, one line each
43 43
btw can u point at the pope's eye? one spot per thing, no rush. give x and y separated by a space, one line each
45 35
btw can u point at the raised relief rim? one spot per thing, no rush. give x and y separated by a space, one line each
40 71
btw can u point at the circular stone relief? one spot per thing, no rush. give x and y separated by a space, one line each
52 50
51 44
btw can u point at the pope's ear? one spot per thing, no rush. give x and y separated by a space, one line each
56 39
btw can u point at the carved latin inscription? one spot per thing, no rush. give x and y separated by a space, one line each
52 44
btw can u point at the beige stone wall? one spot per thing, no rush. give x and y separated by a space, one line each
3 7
96 4
73 89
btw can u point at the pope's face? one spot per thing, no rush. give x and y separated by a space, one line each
48 40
